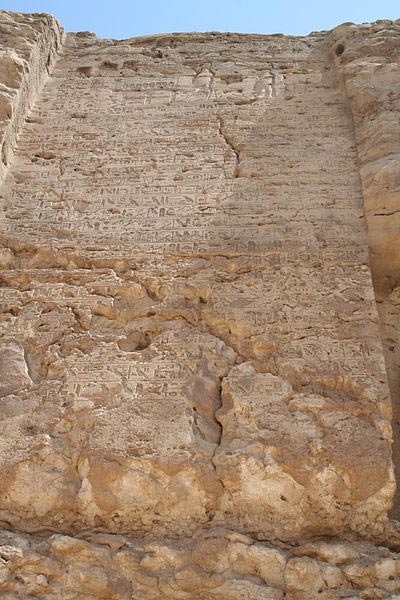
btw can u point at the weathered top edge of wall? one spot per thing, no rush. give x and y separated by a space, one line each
29 45
232 36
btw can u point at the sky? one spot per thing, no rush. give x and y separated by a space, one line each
121 19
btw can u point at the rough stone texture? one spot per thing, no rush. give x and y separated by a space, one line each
367 63
28 50
218 565
194 399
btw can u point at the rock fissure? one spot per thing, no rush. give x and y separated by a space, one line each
229 142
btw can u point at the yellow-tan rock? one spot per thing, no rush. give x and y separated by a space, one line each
199 314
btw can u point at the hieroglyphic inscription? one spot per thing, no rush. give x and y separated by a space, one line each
184 214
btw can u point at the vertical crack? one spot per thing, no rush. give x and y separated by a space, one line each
219 405
230 143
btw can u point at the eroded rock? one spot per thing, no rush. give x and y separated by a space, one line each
194 398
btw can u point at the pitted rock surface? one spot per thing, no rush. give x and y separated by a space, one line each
195 375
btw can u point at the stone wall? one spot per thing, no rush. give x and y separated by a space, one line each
193 389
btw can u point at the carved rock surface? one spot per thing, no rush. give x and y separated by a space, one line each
194 396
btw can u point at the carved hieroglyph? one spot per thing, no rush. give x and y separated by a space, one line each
194 391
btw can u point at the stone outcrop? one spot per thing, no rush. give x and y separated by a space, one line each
367 59
29 45
194 372
218 565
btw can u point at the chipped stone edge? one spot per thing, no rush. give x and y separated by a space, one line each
43 55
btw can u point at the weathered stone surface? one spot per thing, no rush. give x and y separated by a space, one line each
13 369
367 65
214 567
28 49
295 459
190 339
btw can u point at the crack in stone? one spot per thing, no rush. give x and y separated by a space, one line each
231 145
388 214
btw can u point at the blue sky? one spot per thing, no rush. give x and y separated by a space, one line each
128 18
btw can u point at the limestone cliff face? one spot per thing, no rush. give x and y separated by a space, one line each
193 389
367 61
29 45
